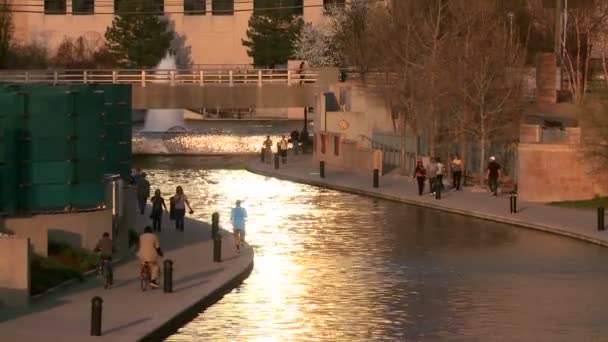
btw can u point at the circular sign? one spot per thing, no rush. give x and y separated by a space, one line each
343 124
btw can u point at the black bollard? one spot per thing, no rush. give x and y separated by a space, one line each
600 218
96 304
262 155
515 203
215 224
217 248
511 203
376 176
276 161
168 277
322 169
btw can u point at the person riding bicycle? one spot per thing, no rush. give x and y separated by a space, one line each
238 216
105 247
149 251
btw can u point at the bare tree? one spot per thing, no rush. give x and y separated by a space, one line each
82 52
487 75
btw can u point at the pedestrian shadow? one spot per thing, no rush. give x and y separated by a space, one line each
521 210
126 325
187 287
125 283
197 275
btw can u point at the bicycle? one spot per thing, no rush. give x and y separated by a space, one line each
144 276
103 271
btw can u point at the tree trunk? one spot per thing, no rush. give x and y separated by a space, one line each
462 153
404 167
482 155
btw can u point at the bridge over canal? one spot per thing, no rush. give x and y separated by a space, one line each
198 88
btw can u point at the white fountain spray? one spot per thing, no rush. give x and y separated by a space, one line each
162 120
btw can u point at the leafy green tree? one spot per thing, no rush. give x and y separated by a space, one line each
139 35
273 30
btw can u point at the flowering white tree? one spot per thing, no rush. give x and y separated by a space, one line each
316 46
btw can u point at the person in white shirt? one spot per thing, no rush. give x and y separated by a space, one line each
440 173
179 202
149 251
283 146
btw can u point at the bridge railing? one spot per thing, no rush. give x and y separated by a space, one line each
172 77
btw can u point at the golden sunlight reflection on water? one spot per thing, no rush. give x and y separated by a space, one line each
337 267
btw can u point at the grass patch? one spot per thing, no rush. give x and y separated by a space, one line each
63 263
585 204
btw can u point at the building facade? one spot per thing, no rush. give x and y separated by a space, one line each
213 30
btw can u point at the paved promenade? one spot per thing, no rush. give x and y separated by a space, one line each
128 313
576 223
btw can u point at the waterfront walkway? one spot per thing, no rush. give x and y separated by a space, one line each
128 313
576 223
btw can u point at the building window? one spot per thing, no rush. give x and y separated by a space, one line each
54 6
337 145
296 6
195 7
82 7
222 7
128 6
328 4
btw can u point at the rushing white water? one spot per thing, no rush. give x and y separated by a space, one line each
161 120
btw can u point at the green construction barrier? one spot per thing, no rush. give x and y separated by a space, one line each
47 149
56 143
88 171
54 172
89 194
45 197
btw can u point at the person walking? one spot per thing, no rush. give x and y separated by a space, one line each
440 172
267 149
283 146
431 172
158 204
304 141
295 141
180 202
420 175
493 175
456 173
238 216
143 192
136 176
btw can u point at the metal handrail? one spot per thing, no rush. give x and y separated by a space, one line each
170 76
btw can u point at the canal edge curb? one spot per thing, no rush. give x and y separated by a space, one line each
189 313
521 224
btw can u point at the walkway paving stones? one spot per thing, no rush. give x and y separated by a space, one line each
128 313
576 223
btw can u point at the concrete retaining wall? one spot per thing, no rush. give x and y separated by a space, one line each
81 229
14 271
345 154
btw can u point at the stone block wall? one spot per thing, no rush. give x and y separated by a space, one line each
14 271
346 154
80 229
555 172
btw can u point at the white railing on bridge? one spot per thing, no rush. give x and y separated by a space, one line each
175 77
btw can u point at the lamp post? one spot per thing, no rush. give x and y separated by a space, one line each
510 15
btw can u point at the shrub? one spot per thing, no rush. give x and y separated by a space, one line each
133 238
48 272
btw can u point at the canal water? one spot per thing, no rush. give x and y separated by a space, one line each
213 137
331 266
